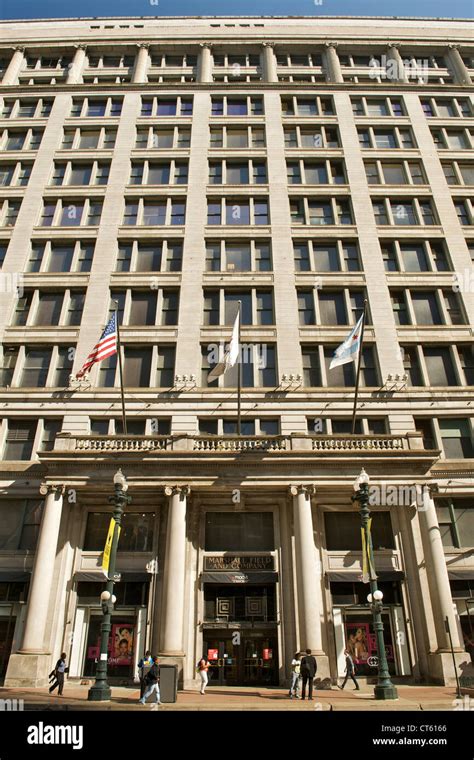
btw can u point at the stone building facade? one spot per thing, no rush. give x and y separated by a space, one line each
177 166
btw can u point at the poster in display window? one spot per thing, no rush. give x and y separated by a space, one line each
120 649
362 645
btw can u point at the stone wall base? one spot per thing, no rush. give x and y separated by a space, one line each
442 667
28 670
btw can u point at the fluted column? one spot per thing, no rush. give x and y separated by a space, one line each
440 587
175 573
269 63
77 65
141 64
14 67
395 69
205 63
332 66
308 571
460 73
43 570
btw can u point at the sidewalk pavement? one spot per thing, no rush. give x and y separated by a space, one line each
413 698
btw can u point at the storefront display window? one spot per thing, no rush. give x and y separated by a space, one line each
120 648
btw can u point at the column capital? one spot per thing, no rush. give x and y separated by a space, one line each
18 49
143 45
331 44
81 46
208 45
183 491
268 44
454 46
396 45
47 488
308 490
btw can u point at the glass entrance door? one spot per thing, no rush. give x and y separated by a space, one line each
252 662
259 663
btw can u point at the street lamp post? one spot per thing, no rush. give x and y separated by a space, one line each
384 688
100 691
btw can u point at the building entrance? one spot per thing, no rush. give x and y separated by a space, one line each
242 658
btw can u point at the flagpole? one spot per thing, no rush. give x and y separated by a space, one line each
119 352
359 362
239 378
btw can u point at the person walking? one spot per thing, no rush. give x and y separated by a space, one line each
144 667
308 670
202 668
58 673
295 675
152 683
350 671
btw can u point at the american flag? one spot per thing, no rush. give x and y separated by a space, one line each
106 346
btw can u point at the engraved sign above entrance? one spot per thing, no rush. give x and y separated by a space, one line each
238 563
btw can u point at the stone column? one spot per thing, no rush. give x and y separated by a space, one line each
308 571
269 63
31 664
332 67
459 69
394 68
141 64
440 588
14 67
205 63
77 66
174 573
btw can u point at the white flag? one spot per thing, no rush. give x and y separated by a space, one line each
231 356
349 350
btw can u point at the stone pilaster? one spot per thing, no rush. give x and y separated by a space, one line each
14 67
269 63
332 67
141 64
77 66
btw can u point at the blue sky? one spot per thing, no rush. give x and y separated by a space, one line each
63 9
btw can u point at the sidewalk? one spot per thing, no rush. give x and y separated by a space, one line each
412 698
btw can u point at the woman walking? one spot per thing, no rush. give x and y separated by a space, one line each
202 668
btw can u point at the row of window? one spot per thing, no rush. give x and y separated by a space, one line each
233 172
235 106
229 531
304 137
23 437
316 306
239 256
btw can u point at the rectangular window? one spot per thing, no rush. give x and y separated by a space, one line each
311 366
49 309
51 428
19 441
426 308
439 366
35 368
165 366
239 531
143 308
137 365
456 438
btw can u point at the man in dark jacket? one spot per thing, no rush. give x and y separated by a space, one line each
152 682
350 671
308 671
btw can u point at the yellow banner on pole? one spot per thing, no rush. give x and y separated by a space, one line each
365 559
108 545
368 569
